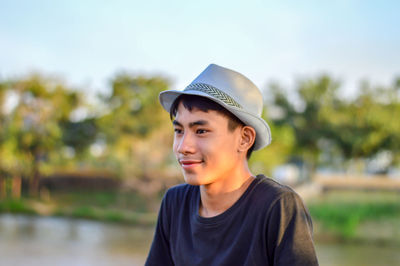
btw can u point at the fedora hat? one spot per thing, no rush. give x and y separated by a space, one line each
231 90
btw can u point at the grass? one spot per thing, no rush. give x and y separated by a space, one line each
343 213
107 206
108 215
104 199
16 206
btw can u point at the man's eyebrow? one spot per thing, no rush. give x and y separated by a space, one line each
176 123
198 123
192 124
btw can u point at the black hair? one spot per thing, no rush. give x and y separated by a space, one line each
204 104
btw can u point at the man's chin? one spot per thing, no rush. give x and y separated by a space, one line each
193 179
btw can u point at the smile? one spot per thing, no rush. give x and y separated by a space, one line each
189 164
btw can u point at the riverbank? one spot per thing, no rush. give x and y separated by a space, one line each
111 206
338 216
357 217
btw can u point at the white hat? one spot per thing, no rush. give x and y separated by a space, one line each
231 90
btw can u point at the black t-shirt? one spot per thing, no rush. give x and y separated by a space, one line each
267 225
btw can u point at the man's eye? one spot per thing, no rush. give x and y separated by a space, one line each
178 131
201 131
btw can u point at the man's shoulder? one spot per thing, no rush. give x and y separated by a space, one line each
268 184
271 191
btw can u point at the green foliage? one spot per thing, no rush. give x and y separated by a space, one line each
134 126
15 206
109 215
108 206
31 130
80 134
84 212
103 199
344 213
95 199
280 149
352 128
133 107
111 206
113 216
307 124
133 133
366 125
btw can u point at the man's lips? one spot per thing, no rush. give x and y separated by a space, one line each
188 164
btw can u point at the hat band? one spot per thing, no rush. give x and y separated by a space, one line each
214 92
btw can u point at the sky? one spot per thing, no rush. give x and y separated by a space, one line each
88 42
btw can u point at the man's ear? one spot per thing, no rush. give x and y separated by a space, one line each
248 136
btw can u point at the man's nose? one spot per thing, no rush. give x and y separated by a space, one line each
186 144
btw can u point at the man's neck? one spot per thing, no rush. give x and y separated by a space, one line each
218 197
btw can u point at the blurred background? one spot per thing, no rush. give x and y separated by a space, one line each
85 148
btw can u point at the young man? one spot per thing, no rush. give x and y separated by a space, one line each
225 215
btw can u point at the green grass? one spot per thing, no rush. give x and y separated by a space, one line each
16 206
107 215
84 212
343 212
108 206
113 216
105 199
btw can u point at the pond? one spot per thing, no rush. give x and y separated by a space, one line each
30 240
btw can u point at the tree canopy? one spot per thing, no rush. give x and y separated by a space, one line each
129 132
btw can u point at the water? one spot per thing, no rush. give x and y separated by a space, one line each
28 240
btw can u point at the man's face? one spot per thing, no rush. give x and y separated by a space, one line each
204 146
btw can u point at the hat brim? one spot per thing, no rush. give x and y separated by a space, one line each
263 132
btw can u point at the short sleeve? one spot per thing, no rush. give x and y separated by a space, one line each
160 253
289 232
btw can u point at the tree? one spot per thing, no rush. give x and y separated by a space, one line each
309 127
79 135
32 129
368 125
277 153
2 137
352 129
135 127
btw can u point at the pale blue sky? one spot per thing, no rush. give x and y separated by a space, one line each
87 42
